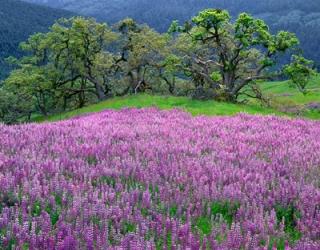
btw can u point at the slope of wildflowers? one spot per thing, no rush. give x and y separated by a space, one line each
150 179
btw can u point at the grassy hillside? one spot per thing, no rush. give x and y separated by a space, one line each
165 102
287 97
18 20
281 92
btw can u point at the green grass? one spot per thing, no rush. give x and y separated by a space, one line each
280 91
195 107
284 94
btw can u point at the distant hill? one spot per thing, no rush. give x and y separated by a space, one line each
18 20
299 16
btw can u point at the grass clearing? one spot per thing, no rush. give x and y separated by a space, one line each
282 92
195 107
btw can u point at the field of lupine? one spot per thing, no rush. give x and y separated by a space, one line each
150 179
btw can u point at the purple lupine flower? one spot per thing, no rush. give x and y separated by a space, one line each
144 178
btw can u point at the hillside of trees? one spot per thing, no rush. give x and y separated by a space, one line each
18 20
299 16
212 56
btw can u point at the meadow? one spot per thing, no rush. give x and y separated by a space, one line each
282 94
164 141
161 179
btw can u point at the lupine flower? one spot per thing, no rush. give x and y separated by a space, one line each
150 179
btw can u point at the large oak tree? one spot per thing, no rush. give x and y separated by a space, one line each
223 57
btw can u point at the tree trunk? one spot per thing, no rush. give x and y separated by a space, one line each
100 92
134 81
171 85
228 80
81 94
65 102
99 89
81 98
42 104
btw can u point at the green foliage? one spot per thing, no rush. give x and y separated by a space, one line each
251 31
12 109
36 209
142 52
66 65
294 15
212 18
54 214
283 41
204 225
300 72
174 27
240 52
80 61
289 215
164 243
226 209
25 246
216 76
279 243
108 180
128 227
173 211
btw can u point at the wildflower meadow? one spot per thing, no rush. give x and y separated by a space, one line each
151 179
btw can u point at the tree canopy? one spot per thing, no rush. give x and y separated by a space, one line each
299 16
81 61
228 56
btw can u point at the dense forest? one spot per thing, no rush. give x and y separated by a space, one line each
18 21
299 16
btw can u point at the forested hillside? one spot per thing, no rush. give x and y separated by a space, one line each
213 56
299 16
18 20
